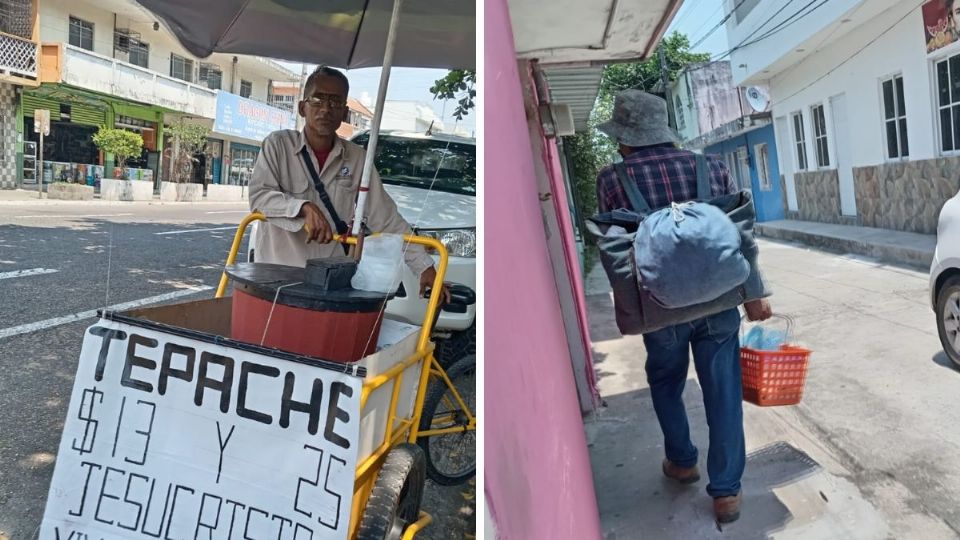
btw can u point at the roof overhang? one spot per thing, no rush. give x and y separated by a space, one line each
573 39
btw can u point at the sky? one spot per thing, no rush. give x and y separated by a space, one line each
406 84
696 18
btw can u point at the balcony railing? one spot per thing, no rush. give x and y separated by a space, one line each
85 69
18 56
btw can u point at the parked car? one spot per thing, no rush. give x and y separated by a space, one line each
433 180
945 279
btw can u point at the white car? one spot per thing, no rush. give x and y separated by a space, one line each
945 279
437 203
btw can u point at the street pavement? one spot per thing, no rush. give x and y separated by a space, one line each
59 261
868 454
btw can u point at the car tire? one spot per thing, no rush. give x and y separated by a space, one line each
457 346
948 318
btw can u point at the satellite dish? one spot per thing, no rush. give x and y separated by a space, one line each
758 99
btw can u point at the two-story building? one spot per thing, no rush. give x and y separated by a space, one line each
715 116
865 105
112 63
19 67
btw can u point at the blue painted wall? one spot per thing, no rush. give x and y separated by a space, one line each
769 202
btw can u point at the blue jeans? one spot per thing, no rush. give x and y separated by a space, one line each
715 341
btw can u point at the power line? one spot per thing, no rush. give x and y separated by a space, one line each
858 51
706 20
795 17
719 24
689 9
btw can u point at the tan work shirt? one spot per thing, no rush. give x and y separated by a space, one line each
281 184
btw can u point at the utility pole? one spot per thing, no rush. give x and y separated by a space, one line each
665 80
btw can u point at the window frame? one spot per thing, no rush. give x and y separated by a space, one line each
821 138
187 64
899 115
249 85
938 108
81 23
763 166
799 143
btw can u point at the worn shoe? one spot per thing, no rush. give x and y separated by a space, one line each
684 475
727 509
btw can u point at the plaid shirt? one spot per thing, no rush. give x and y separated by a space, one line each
664 174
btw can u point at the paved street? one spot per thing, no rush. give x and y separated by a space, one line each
58 262
868 454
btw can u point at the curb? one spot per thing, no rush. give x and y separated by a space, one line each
914 257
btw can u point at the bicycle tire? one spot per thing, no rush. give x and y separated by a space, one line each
397 493
463 376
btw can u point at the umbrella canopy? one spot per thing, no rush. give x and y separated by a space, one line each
343 33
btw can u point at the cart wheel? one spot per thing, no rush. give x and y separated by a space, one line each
457 346
394 502
452 457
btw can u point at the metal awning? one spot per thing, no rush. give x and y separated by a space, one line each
576 87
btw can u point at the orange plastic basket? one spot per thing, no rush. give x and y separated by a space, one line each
772 378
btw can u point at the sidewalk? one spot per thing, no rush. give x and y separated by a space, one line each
792 486
29 197
898 247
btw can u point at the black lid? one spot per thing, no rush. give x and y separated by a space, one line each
263 280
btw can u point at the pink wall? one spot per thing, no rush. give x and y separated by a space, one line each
538 481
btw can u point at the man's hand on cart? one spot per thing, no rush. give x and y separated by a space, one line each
316 224
426 282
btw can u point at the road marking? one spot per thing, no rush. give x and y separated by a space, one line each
25 273
59 321
230 212
72 216
196 230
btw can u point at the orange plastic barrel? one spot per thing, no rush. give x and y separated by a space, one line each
274 307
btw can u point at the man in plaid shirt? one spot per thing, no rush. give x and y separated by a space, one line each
666 174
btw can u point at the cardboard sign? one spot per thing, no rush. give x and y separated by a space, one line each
172 437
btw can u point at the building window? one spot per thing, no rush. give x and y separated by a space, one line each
246 88
948 90
820 136
800 141
895 118
762 153
743 8
211 76
129 46
81 33
181 68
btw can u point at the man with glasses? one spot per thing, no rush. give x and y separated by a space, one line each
307 182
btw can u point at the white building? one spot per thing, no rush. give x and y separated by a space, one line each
111 62
410 116
867 127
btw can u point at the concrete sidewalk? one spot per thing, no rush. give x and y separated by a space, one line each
793 488
30 197
897 247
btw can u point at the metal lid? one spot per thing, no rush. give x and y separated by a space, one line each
264 280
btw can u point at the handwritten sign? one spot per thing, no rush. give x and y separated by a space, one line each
171 437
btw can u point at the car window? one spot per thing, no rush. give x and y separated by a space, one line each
426 163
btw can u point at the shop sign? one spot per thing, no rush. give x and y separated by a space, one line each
249 119
172 437
41 121
941 23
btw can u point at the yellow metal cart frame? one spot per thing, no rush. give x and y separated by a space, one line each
399 429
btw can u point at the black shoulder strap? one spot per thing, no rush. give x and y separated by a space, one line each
636 199
704 193
337 222
341 227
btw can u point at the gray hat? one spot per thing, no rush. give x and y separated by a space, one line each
639 119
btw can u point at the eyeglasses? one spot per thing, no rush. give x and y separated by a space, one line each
332 102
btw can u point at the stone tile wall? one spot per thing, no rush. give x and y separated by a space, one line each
906 196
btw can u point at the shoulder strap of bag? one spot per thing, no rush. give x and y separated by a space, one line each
324 197
704 193
633 192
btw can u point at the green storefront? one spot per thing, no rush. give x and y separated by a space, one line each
75 115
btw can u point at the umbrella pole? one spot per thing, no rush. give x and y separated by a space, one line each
368 163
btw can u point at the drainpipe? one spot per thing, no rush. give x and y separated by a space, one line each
233 76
